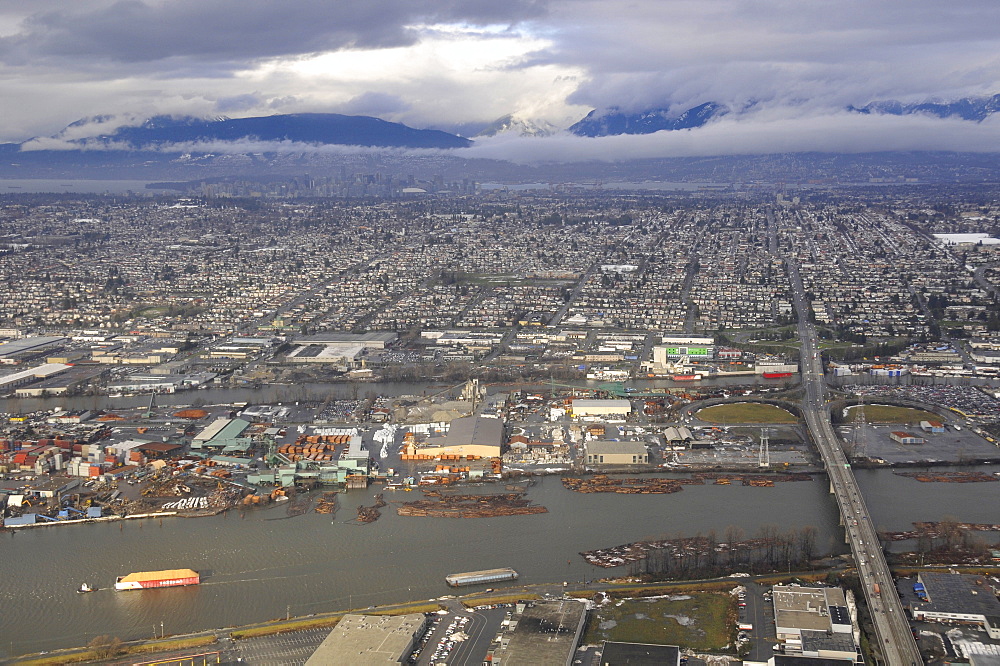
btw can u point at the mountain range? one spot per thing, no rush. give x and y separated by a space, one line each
613 121
160 132
974 109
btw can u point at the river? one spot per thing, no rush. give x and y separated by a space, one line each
318 391
265 565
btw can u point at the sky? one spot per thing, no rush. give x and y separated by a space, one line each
457 65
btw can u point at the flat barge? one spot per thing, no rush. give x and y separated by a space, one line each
478 577
143 580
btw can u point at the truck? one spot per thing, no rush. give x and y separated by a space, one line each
876 589
744 626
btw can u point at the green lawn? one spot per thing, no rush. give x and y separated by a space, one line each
699 620
745 412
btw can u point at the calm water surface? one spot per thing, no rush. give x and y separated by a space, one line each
265 565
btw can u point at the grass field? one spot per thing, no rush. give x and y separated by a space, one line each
697 620
891 414
745 412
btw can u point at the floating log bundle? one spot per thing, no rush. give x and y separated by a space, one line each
950 477
327 504
602 483
469 506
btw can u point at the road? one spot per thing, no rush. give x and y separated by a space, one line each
892 630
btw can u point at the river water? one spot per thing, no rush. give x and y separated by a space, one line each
264 565
273 393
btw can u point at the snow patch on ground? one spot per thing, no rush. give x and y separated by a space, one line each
682 620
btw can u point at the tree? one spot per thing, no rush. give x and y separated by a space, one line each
807 542
106 647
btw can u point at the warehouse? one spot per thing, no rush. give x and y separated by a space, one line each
583 407
61 383
373 340
905 437
542 632
337 353
963 598
370 640
12 381
815 622
18 351
601 452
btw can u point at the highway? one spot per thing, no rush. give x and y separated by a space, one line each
893 635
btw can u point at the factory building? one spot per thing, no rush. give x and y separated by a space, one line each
476 436
601 452
370 640
695 348
584 407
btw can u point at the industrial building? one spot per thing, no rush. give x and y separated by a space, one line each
965 598
370 640
601 452
815 622
542 632
584 407
224 434
678 435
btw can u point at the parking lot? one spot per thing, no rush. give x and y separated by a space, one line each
462 637
951 446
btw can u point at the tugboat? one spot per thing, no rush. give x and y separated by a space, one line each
84 589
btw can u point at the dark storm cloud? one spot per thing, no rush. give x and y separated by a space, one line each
237 30
685 52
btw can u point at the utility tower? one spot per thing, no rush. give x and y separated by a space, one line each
764 455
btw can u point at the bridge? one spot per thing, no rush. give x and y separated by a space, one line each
894 639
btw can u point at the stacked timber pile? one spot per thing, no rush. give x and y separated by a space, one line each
368 514
950 477
470 506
